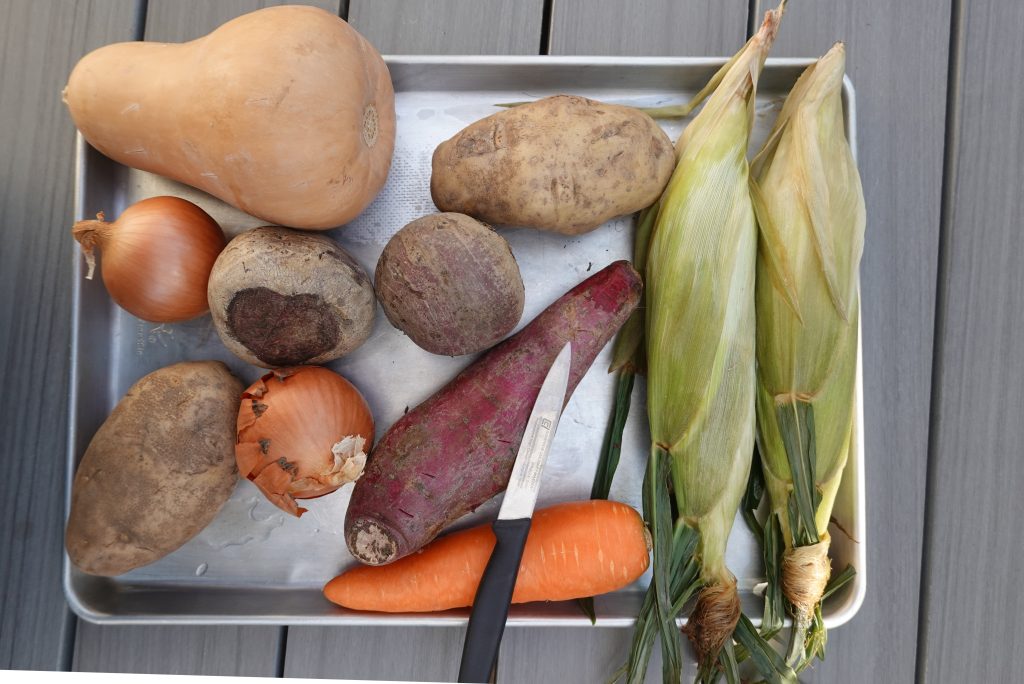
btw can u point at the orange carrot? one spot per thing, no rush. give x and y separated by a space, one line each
576 549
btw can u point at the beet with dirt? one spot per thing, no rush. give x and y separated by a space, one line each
281 297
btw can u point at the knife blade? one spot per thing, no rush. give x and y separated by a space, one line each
493 596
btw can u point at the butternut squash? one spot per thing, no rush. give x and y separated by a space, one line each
286 113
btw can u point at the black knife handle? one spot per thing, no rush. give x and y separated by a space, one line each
490 608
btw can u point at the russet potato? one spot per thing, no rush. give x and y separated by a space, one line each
157 471
565 164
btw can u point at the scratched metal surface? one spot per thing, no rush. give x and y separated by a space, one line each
256 565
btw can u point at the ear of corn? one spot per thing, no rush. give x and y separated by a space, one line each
701 323
700 343
700 346
810 209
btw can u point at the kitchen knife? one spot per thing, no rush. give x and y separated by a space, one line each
493 596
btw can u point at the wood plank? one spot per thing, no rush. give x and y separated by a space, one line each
175 21
900 77
572 654
415 654
39 44
971 604
191 650
648 27
184 650
450 27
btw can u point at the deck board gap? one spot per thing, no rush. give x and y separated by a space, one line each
545 27
282 648
949 165
141 11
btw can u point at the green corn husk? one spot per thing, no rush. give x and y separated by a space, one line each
810 209
699 341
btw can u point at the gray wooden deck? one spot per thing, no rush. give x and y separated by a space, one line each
939 96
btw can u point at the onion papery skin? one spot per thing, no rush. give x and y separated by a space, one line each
156 257
289 422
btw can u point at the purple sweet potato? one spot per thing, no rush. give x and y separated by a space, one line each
455 450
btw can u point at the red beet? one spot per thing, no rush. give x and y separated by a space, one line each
455 450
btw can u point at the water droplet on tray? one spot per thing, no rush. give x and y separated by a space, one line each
242 521
252 512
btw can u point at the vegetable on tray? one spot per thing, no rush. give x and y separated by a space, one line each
563 163
746 323
455 450
283 297
573 549
451 284
700 371
157 471
286 113
157 257
302 433
810 207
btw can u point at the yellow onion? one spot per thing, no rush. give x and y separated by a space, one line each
302 432
157 257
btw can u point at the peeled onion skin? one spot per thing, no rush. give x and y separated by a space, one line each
157 257
302 432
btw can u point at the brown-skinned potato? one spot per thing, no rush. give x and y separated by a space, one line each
565 164
157 471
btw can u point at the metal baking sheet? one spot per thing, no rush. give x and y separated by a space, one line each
256 565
